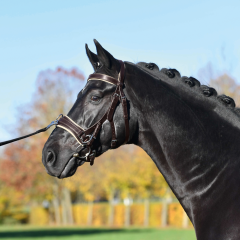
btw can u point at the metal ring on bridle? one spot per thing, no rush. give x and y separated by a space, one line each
59 116
55 122
115 94
90 138
84 157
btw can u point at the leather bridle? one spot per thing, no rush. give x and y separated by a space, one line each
85 138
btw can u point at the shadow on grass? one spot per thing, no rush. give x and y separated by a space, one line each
31 233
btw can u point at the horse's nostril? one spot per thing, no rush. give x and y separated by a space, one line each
50 158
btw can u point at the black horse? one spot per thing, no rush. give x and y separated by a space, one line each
190 132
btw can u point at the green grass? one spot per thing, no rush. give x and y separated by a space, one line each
74 233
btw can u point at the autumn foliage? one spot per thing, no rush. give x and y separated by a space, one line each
23 178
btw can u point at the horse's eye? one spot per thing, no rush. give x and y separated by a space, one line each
95 98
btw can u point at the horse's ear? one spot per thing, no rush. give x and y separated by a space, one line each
106 58
93 58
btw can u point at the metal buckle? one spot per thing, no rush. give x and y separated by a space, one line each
55 122
90 138
116 95
84 157
93 153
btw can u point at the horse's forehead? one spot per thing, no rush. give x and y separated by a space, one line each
95 84
99 84
108 72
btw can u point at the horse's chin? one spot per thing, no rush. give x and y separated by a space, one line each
71 167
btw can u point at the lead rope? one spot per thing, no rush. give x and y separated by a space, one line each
31 134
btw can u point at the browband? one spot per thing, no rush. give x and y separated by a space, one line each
102 77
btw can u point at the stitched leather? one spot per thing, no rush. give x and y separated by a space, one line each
64 121
114 139
102 77
74 130
112 108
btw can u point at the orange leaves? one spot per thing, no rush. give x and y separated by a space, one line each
14 174
21 167
126 170
74 72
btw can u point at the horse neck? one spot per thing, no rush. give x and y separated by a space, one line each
185 138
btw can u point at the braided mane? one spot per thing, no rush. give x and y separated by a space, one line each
207 91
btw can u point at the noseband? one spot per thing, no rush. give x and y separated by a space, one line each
85 138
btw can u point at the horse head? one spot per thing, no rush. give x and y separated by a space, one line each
65 151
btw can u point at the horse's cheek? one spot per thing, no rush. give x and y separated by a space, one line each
106 134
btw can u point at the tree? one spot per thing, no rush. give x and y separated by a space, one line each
21 167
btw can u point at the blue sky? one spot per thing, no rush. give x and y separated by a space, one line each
38 35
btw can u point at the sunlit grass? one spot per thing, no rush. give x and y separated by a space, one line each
74 233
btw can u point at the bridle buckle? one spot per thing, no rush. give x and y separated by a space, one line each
55 122
89 140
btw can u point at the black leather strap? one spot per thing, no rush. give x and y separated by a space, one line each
16 139
102 77
53 123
